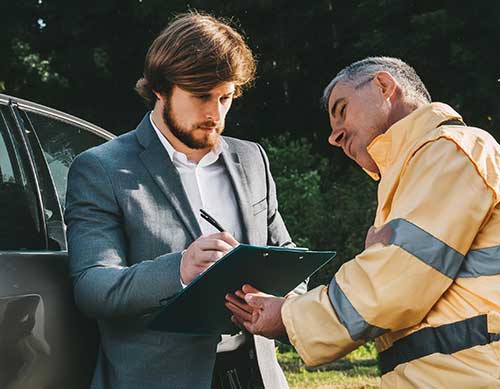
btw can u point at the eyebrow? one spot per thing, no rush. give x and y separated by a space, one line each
208 93
334 106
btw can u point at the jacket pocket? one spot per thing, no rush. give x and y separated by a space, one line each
259 206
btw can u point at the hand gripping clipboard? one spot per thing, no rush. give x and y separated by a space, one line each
200 309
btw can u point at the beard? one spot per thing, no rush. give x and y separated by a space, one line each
188 136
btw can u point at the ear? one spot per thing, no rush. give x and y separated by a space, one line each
387 84
159 96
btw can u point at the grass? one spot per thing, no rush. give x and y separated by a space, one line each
358 369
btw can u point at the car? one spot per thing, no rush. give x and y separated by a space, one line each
45 342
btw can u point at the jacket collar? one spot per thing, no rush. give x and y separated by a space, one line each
159 165
157 161
387 147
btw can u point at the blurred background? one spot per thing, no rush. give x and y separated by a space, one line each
84 57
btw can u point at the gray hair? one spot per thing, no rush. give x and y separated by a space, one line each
365 70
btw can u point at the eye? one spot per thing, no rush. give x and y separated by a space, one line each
202 97
342 111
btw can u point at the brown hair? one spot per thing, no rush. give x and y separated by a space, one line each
196 52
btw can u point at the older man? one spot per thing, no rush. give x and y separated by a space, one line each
426 286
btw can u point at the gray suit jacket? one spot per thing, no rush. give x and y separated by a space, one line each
128 220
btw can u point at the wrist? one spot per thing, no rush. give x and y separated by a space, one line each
182 275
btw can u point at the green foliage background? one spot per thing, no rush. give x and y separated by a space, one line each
84 57
324 206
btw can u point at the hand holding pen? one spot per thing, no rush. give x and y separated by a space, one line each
205 251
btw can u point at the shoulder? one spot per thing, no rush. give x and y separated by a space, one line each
250 155
242 146
476 145
246 150
112 153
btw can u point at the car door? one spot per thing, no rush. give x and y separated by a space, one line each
44 341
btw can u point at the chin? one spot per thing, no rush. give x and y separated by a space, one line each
206 142
371 167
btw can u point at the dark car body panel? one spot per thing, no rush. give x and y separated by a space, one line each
45 342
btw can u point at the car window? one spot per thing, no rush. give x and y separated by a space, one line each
51 207
20 227
61 143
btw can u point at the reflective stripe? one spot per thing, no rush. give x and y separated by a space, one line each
446 339
357 327
481 262
426 247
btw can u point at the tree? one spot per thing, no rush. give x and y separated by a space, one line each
323 207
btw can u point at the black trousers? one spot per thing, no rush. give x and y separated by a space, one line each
237 369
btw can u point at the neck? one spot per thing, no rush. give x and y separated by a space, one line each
194 155
400 110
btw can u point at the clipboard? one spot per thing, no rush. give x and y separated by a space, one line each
199 308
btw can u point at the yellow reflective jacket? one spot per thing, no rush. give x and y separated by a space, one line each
428 290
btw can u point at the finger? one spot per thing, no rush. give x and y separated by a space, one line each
226 237
239 303
211 243
249 289
254 300
240 294
236 322
206 258
200 268
239 313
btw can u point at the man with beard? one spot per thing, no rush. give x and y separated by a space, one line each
135 234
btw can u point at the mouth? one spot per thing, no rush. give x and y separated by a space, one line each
208 129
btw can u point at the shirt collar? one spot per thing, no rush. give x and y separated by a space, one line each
208 159
385 148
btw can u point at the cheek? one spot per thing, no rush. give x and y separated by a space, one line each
186 110
225 109
367 134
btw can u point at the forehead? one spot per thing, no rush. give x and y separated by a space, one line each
223 88
342 91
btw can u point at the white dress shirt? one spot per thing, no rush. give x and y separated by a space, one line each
208 186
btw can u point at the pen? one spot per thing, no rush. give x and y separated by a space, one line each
205 215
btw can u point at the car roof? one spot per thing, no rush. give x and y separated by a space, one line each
41 109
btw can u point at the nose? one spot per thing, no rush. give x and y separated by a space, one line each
215 112
337 137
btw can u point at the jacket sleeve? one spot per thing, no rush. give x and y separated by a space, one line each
439 205
105 286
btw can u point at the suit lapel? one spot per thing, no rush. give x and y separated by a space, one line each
242 189
160 167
